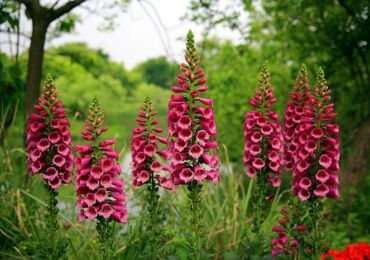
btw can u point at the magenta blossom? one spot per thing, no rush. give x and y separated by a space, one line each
314 149
300 98
49 139
288 233
145 151
98 183
262 135
191 125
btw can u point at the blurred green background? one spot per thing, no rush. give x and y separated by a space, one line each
333 34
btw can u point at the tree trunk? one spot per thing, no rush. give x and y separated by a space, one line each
35 60
34 70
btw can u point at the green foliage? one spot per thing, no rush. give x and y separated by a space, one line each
333 34
94 61
66 24
8 14
212 13
158 71
351 227
11 92
232 73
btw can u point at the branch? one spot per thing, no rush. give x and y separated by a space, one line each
92 11
31 5
65 8
55 4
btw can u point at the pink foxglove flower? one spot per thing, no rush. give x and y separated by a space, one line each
49 139
191 125
145 151
294 115
315 148
100 188
262 135
192 140
288 233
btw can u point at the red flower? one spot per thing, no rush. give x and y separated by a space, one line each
360 251
299 99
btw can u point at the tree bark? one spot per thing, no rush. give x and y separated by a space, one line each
35 61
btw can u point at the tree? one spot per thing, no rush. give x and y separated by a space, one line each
42 16
333 34
158 71
96 61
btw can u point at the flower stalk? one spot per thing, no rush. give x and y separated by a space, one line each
259 204
289 231
195 206
146 168
100 189
153 209
262 150
312 152
316 237
105 231
49 154
51 221
192 140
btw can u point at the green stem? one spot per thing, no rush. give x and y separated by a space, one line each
315 213
258 211
105 230
153 214
316 236
51 221
194 196
259 215
259 204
